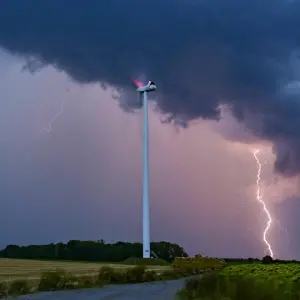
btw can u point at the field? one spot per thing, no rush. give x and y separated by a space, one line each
248 281
270 271
11 269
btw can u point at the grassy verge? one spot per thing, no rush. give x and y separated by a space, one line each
245 282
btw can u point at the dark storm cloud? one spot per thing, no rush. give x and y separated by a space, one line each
200 53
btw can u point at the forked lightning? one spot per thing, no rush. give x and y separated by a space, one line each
264 206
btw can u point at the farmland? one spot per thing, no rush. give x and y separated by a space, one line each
20 277
269 271
248 281
276 280
11 269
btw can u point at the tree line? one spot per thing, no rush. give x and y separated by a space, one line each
92 251
265 260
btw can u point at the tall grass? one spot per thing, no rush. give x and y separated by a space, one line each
246 283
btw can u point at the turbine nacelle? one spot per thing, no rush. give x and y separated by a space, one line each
150 87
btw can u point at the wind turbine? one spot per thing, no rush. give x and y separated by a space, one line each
143 90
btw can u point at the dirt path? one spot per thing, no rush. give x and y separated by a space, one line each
147 291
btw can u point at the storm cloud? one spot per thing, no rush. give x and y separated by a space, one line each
201 54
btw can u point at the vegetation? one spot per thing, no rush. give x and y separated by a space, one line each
119 263
13 269
267 259
92 251
243 282
197 265
61 279
234 261
145 261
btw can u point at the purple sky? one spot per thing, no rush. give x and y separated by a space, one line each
82 180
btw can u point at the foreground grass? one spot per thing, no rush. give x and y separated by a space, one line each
18 269
245 282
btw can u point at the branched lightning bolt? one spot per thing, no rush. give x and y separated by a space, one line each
61 111
259 198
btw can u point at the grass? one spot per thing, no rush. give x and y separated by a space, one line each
13 269
245 282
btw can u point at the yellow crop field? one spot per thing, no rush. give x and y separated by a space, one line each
11 269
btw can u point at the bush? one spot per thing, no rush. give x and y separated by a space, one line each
109 275
198 256
150 276
145 261
3 290
267 259
19 287
135 274
171 275
57 280
206 287
197 265
87 281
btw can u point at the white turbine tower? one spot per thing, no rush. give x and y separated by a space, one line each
143 91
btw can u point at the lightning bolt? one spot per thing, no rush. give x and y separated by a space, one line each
259 199
61 111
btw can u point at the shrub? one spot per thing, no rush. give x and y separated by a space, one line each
19 287
267 259
145 261
150 276
200 288
87 281
109 275
135 274
57 280
197 264
3 290
250 260
171 275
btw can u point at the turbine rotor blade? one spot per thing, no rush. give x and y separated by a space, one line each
137 83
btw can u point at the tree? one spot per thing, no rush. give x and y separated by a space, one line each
267 259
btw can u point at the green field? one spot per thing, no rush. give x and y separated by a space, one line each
11 269
289 271
248 281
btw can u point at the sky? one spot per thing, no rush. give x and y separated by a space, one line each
227 76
